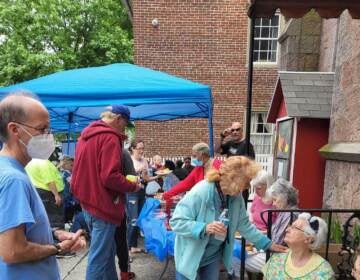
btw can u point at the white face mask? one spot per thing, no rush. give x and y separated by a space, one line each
40 146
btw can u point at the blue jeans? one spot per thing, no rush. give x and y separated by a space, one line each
79 223
134 204
101 259
207 272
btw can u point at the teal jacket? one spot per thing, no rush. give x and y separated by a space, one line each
190 217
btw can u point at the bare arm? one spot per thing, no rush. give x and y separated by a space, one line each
14 248
53 189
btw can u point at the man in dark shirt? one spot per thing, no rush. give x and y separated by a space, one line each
233 144
179 171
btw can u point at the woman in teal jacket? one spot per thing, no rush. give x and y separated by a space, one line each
195 221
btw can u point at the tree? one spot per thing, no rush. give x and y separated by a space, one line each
38 37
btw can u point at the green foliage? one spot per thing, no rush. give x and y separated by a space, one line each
38 37
336 231
356 235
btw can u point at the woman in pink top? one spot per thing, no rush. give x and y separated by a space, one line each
261 202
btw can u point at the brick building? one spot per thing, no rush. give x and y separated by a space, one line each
206 41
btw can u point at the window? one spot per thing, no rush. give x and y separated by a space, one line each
261 133
265 39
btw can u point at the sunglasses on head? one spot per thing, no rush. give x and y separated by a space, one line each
235 129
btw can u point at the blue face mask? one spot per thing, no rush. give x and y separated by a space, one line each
196 162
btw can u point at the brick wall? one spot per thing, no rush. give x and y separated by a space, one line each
205 41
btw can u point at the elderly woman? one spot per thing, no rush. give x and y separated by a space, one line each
304 236
198 250
261 201
203 162
284 196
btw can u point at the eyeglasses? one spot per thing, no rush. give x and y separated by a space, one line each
41 130
297 228
235 129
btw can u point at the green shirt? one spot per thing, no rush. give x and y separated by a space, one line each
280 267
43 172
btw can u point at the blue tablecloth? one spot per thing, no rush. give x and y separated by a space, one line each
158 240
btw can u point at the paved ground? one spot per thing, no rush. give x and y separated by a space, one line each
146 267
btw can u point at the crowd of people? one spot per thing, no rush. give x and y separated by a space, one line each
100 193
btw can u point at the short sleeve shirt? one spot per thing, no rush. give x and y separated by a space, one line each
279 267
140 165
21 205
43 172
232 148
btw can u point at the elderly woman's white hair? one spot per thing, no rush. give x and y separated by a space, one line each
319 234
201 148
263 178
285 190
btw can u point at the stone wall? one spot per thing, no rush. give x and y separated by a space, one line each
300 43
342 179
204 41
328 45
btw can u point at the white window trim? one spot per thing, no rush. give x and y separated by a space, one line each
272 63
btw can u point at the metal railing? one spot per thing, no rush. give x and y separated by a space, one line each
346 253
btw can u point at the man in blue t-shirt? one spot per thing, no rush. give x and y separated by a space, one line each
27 248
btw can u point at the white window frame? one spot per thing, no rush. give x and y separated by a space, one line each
270 63
271 133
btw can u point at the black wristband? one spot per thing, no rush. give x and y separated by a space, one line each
58 248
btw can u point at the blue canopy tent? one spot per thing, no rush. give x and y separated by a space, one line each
76 97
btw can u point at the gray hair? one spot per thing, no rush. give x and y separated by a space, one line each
285 190
320 235
11 111
262 178
201 148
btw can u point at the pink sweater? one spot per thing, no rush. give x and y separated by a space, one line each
257 207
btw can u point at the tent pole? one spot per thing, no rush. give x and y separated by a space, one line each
211 133
70 120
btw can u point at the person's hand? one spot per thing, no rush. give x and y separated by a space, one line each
58 200
72 242
216 228
226 132
278 248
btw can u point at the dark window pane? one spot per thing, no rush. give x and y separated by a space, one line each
256 56
265 32
257 21
263 56
273 57
275 21
265 22
274 45
260 118
256 44
257 32
274 32
264 44
259 128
